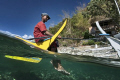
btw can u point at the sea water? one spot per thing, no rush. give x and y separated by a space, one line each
90 69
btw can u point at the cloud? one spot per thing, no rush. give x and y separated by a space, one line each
12 35
27 37
9 33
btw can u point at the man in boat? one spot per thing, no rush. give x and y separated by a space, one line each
40 30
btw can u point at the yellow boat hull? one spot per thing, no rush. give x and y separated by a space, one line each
45 44
41 45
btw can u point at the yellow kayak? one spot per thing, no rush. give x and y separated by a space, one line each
41 45
45 44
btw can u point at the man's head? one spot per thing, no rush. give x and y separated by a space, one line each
45 17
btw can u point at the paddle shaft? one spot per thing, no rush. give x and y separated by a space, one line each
77 38
61 38
39 37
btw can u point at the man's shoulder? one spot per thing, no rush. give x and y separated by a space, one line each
40 22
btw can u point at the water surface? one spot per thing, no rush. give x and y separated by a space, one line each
80 67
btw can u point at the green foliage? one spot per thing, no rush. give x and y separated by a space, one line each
106 8
98 43
77 26
89 42
84 43
86 34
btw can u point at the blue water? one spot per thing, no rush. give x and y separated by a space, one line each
80 67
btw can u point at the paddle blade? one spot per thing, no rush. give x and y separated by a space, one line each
27 59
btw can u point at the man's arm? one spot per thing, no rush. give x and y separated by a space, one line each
49 34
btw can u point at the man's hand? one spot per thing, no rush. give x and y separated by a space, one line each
59 37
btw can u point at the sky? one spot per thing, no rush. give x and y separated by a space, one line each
20 16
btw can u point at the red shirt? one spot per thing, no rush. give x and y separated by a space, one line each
39 30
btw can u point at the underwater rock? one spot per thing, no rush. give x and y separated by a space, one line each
6 76
104 52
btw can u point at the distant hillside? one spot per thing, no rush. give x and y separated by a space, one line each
77 26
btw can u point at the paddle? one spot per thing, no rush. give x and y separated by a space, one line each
61 38
77 38
39 37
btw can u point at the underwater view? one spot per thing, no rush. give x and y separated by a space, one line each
87 31
80 67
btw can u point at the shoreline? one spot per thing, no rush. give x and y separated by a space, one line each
94 51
